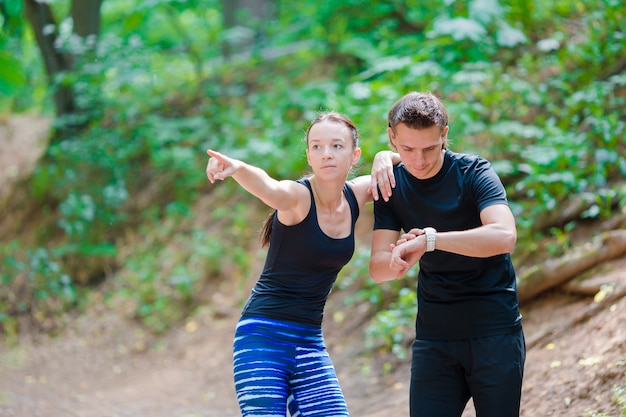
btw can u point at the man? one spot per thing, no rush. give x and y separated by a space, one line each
458 226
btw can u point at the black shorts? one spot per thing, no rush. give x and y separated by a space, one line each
445 374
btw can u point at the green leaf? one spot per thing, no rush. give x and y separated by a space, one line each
11 76
459 28
509 36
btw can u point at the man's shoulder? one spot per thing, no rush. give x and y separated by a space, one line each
467 161
464 158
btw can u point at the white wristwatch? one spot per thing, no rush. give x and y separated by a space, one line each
430 238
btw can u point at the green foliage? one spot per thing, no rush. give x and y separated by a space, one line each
164 278
619 395
355 274
11 79
536 87
393 328
33 287
161 278
21 75
394 304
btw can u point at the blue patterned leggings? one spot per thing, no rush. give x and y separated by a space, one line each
279 366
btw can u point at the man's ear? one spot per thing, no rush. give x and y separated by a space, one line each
392 138
444 137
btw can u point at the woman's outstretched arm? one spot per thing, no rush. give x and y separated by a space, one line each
280 195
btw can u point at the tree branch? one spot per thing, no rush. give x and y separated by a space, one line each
555 272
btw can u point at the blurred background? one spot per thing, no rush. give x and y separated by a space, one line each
107 108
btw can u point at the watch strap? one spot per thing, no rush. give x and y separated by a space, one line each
431 235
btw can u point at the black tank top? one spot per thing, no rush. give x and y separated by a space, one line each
301 267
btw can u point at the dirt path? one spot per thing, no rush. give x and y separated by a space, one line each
108 367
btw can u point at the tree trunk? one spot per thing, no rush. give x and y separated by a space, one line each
86 18
86 15
556 272
41 19
252 14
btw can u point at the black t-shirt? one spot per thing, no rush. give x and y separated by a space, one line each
459 297
301 267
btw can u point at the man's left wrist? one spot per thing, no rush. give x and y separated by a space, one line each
431 237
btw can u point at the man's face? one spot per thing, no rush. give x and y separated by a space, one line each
421 150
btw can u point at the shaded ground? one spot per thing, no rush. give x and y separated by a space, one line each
105 365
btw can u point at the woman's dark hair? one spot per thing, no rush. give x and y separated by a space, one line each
331 116
266 230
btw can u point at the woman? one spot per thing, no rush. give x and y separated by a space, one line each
280 359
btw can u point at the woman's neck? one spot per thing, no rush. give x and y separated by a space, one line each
327 196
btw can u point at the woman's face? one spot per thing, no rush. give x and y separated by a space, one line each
330 149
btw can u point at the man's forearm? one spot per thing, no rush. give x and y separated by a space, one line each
379 268
481 242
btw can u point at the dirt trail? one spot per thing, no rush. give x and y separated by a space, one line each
105 366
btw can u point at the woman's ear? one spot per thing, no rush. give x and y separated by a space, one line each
356 156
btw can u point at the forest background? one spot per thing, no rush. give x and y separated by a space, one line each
117 210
